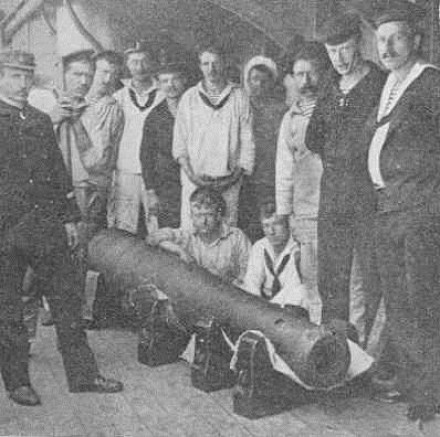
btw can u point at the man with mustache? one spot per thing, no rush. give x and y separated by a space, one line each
298 170
130 201
213 141
38 217
347 199
97 135
160 171
88 123
404 166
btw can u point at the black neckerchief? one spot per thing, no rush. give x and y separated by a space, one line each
150 101
208 102
276 285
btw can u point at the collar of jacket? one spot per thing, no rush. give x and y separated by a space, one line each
8 109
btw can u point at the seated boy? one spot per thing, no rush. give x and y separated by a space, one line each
221 249
273 269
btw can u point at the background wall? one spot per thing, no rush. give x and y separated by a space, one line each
248 27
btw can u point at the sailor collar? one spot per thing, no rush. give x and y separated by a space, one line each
222 98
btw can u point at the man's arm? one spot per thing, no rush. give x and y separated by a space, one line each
98 132
316 131
285 162
181 141
63 190
148 157
181 135
244 249
171 240
255 273
247 145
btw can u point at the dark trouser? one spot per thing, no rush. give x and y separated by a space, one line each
170 197
41 243
252 196
14 355
337 239
92 203
408 250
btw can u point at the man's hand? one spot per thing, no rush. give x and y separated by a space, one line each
194 178
226 182
72 235
163 234
61 112
66 109
153 202
186 257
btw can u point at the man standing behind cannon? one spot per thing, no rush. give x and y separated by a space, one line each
38 219
347 199
213 140
404 165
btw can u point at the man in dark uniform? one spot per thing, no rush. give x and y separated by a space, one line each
161 173
404 165
37 227
347 200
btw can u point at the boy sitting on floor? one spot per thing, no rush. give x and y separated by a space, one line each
273 270
221 249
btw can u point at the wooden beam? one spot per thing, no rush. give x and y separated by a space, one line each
20 18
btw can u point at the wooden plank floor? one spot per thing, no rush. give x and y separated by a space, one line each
160 402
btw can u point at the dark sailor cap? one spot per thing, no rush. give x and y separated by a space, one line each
17 59
340 29
141 47
397 10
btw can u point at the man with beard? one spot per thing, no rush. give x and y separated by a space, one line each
38 228
160 171
98 132
404 165
347 199
213 141
130 202
298 170
260 75
88 122
98 135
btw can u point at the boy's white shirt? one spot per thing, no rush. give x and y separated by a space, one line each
257 276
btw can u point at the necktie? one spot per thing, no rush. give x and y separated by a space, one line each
276 285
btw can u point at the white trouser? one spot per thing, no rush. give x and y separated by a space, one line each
127 197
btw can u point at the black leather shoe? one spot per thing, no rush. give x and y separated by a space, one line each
100 385
25 395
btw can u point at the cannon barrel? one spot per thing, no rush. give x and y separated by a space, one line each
317 356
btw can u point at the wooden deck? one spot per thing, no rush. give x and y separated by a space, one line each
160 402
